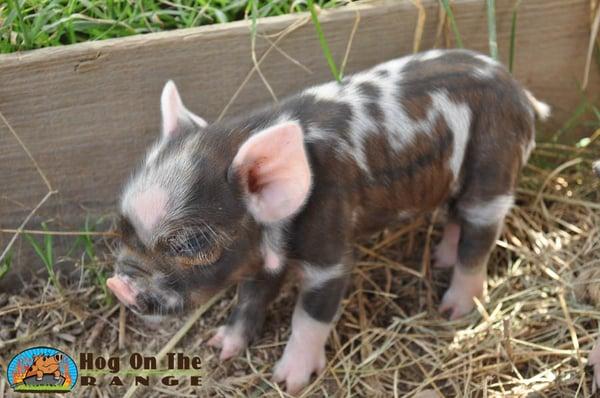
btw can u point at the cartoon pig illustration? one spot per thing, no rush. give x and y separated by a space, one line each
43 364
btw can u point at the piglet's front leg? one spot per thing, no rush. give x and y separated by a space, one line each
322 291
246 320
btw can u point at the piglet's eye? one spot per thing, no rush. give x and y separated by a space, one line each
188 246
196 249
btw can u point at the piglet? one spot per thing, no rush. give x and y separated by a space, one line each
292 184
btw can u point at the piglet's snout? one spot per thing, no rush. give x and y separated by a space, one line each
122 289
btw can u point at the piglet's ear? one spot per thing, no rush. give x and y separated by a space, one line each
274 170
174 112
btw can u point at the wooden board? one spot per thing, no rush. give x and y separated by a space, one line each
88 111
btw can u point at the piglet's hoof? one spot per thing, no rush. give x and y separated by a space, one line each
230 340
458 299
298 363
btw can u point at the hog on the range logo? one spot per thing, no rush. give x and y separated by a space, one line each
42 369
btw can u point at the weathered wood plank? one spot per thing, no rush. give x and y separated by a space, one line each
87 111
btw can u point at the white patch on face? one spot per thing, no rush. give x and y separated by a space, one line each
316 276
149 206
153 152
145 197
458 118
304 353
488 213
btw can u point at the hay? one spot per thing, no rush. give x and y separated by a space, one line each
531 336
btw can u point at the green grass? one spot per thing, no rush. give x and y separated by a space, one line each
450 14
6 264
513 36
325 47
586 114
89 258
491 22
30 24
45 251
83 251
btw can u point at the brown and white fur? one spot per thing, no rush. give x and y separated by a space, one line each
292 184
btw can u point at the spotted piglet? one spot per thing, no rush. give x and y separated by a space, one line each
292 184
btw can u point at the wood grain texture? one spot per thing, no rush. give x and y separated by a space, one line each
88 111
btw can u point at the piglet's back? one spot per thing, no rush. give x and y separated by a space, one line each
410 133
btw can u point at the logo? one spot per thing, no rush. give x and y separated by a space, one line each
42 369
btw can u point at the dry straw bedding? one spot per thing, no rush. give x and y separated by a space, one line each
531 336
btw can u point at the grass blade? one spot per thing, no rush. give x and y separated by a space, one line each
5 265
48 240
491 22
38 249
450 15
45 253
573 121
324 45
27 41
593 35
513 36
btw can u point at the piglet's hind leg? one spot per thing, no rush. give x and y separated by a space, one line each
480 224
446 252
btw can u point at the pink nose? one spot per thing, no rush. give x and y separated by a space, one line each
122 289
